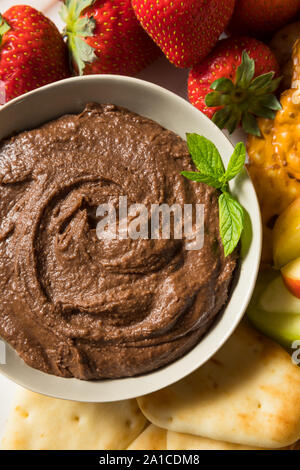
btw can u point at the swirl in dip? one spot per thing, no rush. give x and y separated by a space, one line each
76 306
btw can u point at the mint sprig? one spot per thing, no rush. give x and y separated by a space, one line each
208 161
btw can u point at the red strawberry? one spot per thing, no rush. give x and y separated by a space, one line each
32 52
104 36
262 17
237 96
185 30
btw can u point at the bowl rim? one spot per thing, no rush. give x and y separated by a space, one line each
132 387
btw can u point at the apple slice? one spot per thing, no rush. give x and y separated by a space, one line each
276 298
286 235
291 277
282 323
283 328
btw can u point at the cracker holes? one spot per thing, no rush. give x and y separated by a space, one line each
23 413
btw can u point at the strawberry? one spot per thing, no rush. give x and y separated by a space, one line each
240 72
104 36
32 52
262 17
185 30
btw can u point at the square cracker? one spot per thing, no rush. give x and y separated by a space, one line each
152 438
37 422
247 394
180 441
155 438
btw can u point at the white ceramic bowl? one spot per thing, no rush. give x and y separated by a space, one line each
176 114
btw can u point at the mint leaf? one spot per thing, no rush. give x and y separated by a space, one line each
236 162
205 155
211 172
231 216
201 178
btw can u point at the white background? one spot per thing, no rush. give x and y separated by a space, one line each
161 72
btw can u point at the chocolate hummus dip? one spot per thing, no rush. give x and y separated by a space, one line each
76 306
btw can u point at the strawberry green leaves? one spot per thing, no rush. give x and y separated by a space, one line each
207 160
4 27
245 99
77 28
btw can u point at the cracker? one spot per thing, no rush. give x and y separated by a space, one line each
153 438
38 422
180 441
247 394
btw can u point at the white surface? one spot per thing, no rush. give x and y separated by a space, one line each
160 72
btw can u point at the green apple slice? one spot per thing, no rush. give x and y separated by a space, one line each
276 298
283 327
286 235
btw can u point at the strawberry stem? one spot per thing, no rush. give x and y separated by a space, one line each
245 99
